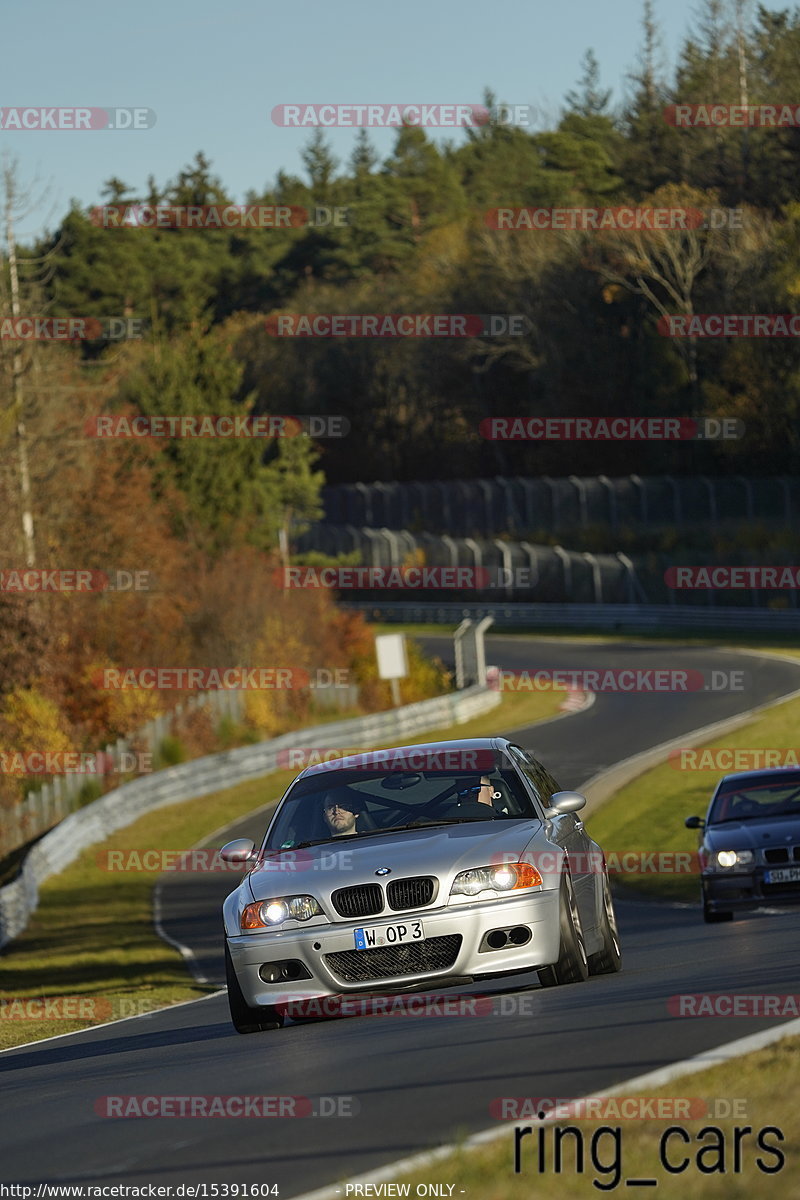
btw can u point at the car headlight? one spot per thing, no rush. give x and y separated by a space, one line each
733 858
266 914
508 877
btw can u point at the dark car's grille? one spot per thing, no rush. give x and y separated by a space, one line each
782 854
418 958
410 893
365 900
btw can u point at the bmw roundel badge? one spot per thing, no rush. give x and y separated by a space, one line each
384 871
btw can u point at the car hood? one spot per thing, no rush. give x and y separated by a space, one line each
442 852
753 834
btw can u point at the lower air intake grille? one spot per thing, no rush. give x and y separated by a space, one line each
361 966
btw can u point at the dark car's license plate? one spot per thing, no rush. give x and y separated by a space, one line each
783 875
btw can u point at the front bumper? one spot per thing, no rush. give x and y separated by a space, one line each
322 950
744 890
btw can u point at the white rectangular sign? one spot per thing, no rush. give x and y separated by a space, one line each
391 651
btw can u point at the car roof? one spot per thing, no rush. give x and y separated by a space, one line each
766 773
368 756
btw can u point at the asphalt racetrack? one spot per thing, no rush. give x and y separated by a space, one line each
399 1085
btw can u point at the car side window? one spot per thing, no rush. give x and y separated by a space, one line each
534 774
552 785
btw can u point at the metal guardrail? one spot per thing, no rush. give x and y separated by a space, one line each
41 809
613 617
120 807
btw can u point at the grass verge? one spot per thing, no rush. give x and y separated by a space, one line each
616 1150
90 949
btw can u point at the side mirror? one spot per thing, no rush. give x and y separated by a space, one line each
694 823
240 851
564 802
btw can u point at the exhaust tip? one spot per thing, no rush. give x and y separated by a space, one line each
497 939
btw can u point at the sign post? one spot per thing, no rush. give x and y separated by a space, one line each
392 661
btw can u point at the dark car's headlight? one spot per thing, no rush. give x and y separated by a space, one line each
726 859
267 914
508 877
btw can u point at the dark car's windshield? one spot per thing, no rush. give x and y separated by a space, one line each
350 802
756 799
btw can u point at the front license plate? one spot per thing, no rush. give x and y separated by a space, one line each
783 875
389 935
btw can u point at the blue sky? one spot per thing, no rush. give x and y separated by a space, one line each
213 72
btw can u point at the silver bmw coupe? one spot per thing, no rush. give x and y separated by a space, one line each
397 870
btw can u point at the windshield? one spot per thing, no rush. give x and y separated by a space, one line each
350 803
768 798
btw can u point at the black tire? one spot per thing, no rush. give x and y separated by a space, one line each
572 965
246 1019
608 958
714 918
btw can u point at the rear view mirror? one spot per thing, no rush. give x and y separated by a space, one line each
694 823
240 850
564 802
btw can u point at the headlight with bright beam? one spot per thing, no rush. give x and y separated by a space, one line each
734 858
267 914
508 877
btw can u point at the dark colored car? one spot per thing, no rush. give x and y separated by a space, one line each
750 847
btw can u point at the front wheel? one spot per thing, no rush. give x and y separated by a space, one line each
711 917
246 1019
572 965
609 957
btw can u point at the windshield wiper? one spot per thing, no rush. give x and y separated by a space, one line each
348 837
305 845
425 825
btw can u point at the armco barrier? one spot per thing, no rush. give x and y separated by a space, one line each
118 808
